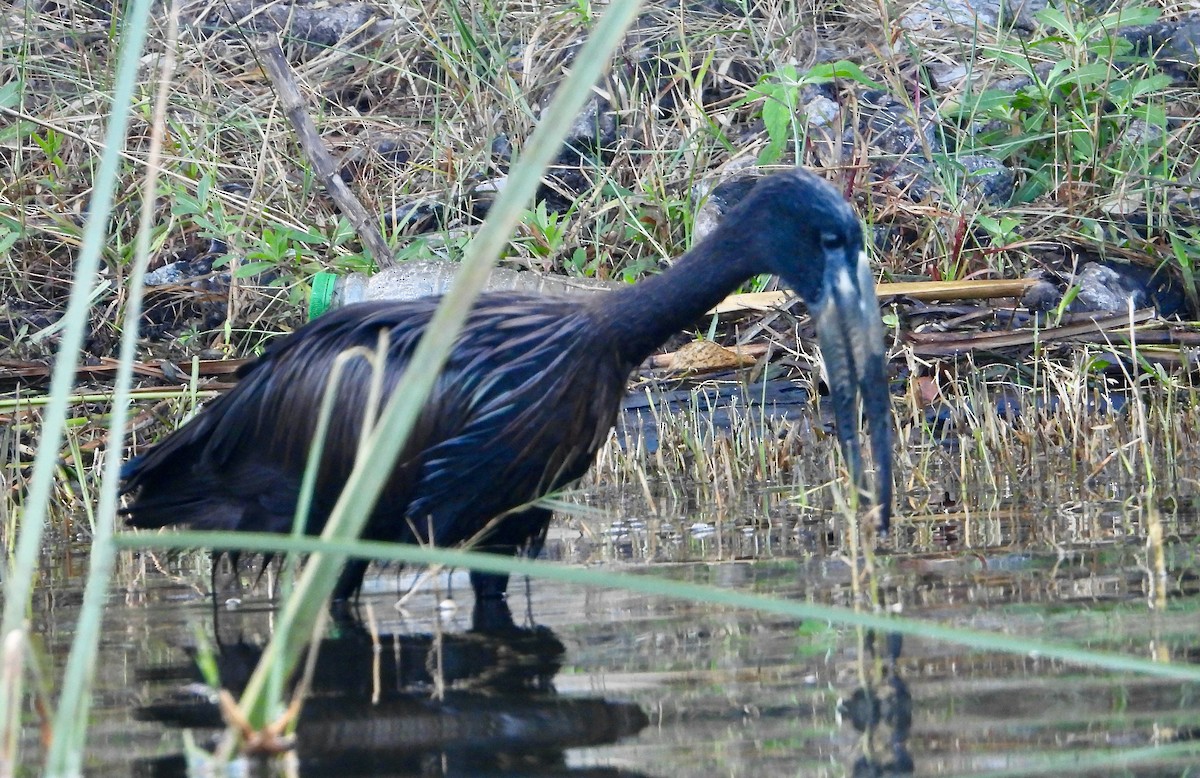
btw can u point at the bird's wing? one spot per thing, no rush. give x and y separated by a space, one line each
532 426
518 410
238 463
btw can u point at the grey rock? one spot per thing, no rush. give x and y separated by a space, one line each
889 125
988 176
1174 45
1141 133
907 174
936 16
717 199
196 273
1106 287
821 111
323 25
1102 288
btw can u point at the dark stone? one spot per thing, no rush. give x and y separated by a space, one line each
1174 45
481 197
324 25
417 216
393 151
502 149
1044 295
993 181
355 161
1107 287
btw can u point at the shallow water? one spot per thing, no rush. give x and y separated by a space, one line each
594 682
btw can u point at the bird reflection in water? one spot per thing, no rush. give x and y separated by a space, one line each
371 711
882 712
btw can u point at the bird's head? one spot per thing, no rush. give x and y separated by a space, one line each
805 232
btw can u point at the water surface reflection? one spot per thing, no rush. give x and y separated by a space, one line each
598 682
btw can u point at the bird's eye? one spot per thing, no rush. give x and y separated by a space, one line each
831 241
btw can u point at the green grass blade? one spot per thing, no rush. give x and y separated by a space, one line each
65 757
646 584
299 613
18 582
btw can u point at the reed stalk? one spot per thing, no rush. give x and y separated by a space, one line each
70 723
18 582
301 610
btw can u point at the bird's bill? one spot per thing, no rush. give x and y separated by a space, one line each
850 331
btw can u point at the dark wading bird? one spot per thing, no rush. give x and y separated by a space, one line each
529 393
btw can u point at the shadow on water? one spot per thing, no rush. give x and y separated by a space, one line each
370 709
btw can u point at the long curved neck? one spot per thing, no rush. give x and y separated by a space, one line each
640 318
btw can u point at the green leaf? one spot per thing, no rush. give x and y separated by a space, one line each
1017 59
354 263
1034 187
251 268
185 205
1154 115
48 143
828 71
8 240
1091 74
1126 17
343 231
1057 74
989 104
206 226
308 238
1055 19
1084 144
202 187
777 117
1149 85
10 93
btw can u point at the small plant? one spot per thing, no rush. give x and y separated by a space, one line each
545 231
1086 114
780 92
10 233
1185 249
205 212
1001 229
283 250
582 9
50 142
581 263
277 247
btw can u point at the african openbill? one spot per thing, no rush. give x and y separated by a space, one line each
529 393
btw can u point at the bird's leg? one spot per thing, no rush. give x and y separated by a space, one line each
524 531
349 583
343 608
491 586
492 615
